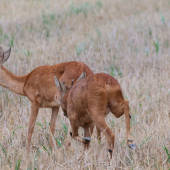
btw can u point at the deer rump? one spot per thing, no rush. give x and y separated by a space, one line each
95 97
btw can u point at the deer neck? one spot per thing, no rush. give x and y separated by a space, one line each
12 82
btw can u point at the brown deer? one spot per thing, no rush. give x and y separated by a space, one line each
39 87
87 103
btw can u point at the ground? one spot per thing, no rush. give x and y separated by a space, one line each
126 39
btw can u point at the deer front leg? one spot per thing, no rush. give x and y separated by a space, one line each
127 117
52 124
74 133
34 113
87 133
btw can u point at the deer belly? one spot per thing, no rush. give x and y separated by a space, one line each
47 103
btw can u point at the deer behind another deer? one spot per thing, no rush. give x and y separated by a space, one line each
39 87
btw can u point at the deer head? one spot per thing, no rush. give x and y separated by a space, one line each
64 90
4 56
63 93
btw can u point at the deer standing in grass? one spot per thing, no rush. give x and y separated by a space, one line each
87 103
39 87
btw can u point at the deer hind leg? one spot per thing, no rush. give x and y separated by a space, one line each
87 133
98 131
118 111
102 126
127 117
52 124
34 113
100 123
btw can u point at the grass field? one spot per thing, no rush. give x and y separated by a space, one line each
128 39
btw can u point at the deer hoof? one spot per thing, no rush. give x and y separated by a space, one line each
87 140
110 150
71 134
132 145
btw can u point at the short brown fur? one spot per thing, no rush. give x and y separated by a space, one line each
89 101
40 88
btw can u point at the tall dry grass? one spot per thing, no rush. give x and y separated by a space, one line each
127 39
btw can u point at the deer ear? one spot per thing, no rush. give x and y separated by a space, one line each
82 76
1 55
58 83
6 55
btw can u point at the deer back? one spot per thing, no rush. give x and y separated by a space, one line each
40 85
